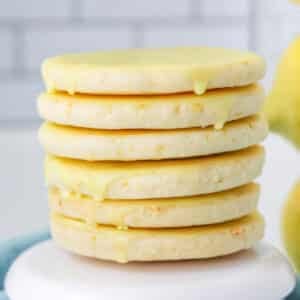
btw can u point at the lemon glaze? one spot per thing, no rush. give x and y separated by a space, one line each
158 213
164 70
153 111
152 179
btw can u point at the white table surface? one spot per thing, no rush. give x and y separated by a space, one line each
23 205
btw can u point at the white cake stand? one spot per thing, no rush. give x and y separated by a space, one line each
45 272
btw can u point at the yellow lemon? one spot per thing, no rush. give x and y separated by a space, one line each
291 225
283 103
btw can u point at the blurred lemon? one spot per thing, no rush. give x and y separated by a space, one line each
291 225
283 103
283 112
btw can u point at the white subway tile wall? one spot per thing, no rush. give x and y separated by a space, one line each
38 44
224 8
18 99
229 36
26 10
6 49
135 9
32 30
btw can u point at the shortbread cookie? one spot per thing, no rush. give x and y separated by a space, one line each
155 179
110 243
125 145
152 112
155 213
152 71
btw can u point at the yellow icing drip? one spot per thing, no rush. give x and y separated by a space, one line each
122 227
88 185
200 87
222 108
72 88
201 78
71 91
66 173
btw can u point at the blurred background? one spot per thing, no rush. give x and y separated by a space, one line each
32 30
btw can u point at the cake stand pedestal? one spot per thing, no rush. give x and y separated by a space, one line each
49 273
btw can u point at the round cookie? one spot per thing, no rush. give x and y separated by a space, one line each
125 145
158 213
151 112
155 179
109 243
152 71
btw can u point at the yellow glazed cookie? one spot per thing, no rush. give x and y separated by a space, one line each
152 71
155 179
93 145
151 112
110 243
155 213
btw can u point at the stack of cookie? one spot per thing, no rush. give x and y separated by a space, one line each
151 154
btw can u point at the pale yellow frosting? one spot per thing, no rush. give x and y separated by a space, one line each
139 71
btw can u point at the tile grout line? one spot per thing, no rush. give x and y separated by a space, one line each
194 11
49 23
19 123
76 12
138 35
